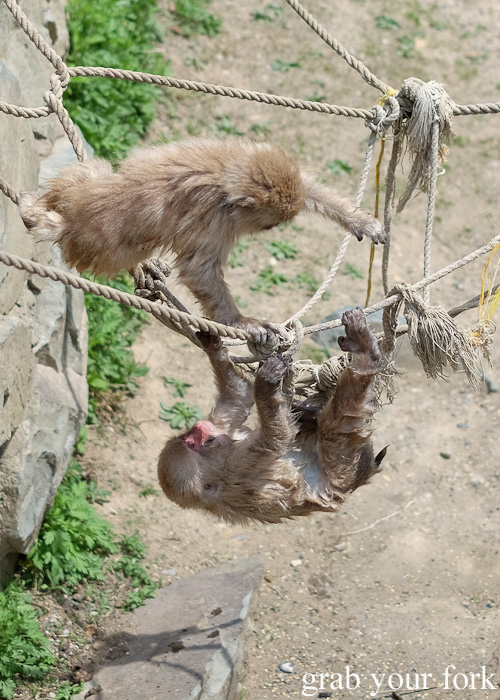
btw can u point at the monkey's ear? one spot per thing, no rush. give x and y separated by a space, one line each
244 200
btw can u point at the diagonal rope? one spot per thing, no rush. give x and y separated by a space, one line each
355 63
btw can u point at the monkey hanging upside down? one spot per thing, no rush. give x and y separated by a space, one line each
282 468
195 198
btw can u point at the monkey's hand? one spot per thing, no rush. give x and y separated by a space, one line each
358 339
210 343
372 228
264 336
272 370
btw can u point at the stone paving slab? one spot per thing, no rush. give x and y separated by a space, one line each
187 643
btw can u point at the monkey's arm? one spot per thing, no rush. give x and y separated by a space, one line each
235 397
276 430
332 205
343 425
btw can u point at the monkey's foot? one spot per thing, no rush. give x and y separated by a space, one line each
358 339
272 370
149 272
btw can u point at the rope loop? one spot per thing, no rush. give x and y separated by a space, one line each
385 113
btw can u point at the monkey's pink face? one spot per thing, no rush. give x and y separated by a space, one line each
204 434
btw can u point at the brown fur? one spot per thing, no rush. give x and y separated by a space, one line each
194 198
278 470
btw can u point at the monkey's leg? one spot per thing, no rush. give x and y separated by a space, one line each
344 423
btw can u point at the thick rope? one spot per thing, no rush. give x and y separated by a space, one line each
160 311
187 320
220 90
421 284
367 75
345 242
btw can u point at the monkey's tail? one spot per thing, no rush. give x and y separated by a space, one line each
43 215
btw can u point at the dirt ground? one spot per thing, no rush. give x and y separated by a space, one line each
405 579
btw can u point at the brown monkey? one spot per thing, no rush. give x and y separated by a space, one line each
282 468
194 198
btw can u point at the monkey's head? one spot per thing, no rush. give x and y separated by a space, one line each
190 465
267 184
203 469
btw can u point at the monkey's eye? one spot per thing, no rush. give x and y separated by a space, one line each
210 488
210 440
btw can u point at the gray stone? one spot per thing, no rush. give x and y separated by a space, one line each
187 643
42 444
17 364
20 170
43 330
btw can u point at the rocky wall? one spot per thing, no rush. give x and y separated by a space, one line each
43 331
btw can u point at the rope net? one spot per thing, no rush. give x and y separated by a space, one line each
419 115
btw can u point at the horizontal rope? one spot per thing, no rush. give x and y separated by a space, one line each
154 308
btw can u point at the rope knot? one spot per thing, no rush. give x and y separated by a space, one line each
423 105
385 113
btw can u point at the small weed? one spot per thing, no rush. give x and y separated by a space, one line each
180 388
67 690
133 546
352 271
112 330
235 257
261 129
310 283
269 14
316 97
386 22
194 18
284 66
406 46
24 649
339 167
282 249
267 280
223 126
148 491
130 566
180 415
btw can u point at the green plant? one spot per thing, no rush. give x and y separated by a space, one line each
130 566
194 18
406 47
67 690
339 167
284 66
112 330
180 388
310 283
386 22
148 491
267 280
282 249
24 649
113 114
235 255
261 129
223 126
180 415
269 13
352 271
73 540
